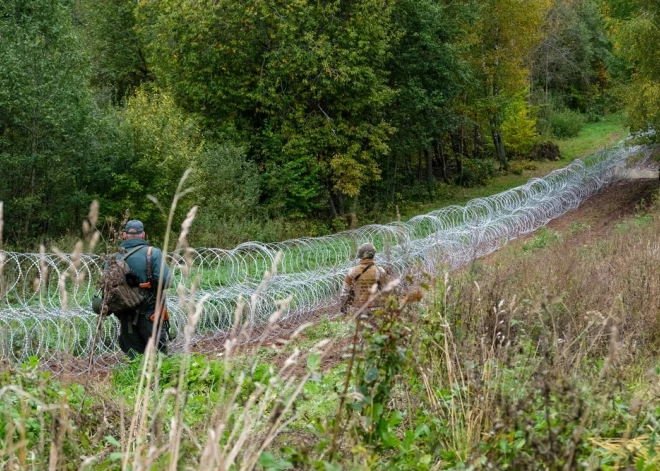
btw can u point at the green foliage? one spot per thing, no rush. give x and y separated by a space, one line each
296 117
228 186
46 116
518 128
118 63
384 358
304 83
505 35
476 172
426 71
35 406
520 166
577 226
159 142
570 65
637 35
543 239
593 136
566 123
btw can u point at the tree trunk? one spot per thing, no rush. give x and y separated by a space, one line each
495 123
34 147
429 170
396 174
499 147
333 209
429 163
443 160
456 149
340 204
353 213
476 153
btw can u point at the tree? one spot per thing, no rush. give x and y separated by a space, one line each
155 145
45 111
118 62
427 72
303 82
636 29
572 59
505 35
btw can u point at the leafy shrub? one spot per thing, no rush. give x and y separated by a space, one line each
519 128
519 166
476 172
566 123
545 151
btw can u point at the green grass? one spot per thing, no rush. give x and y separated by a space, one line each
594 136
559 385
578 226
543 239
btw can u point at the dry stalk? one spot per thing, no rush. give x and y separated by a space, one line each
139 422
181 393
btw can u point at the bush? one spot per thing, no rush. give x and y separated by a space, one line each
476 172
566 123
519 128
544 151
519 166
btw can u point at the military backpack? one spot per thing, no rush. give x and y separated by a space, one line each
120 285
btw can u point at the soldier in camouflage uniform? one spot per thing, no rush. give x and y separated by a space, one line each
360 279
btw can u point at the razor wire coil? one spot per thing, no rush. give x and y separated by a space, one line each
45 298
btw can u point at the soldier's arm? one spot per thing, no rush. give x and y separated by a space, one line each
156 260
346 289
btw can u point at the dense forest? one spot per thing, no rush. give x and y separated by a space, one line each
298 117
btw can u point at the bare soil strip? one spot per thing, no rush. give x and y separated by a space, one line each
603 211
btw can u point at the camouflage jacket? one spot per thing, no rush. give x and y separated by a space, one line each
358 283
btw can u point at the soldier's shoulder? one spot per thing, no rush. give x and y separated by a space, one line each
155 250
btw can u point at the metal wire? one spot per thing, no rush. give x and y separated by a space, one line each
45 298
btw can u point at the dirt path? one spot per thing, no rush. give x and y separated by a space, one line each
602 212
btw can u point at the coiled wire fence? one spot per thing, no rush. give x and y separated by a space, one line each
45 298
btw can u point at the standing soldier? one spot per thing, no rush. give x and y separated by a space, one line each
359 280
130 283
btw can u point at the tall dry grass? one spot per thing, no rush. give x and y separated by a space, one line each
151 431
561 331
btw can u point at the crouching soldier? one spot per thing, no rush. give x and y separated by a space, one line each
130 287
359 280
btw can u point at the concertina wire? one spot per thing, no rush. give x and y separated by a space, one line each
35 320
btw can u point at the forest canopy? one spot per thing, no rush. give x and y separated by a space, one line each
297 117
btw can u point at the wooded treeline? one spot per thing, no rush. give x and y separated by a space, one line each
297 116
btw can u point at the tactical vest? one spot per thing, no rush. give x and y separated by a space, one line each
363 284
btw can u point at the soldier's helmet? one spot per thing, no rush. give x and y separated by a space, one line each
366 251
